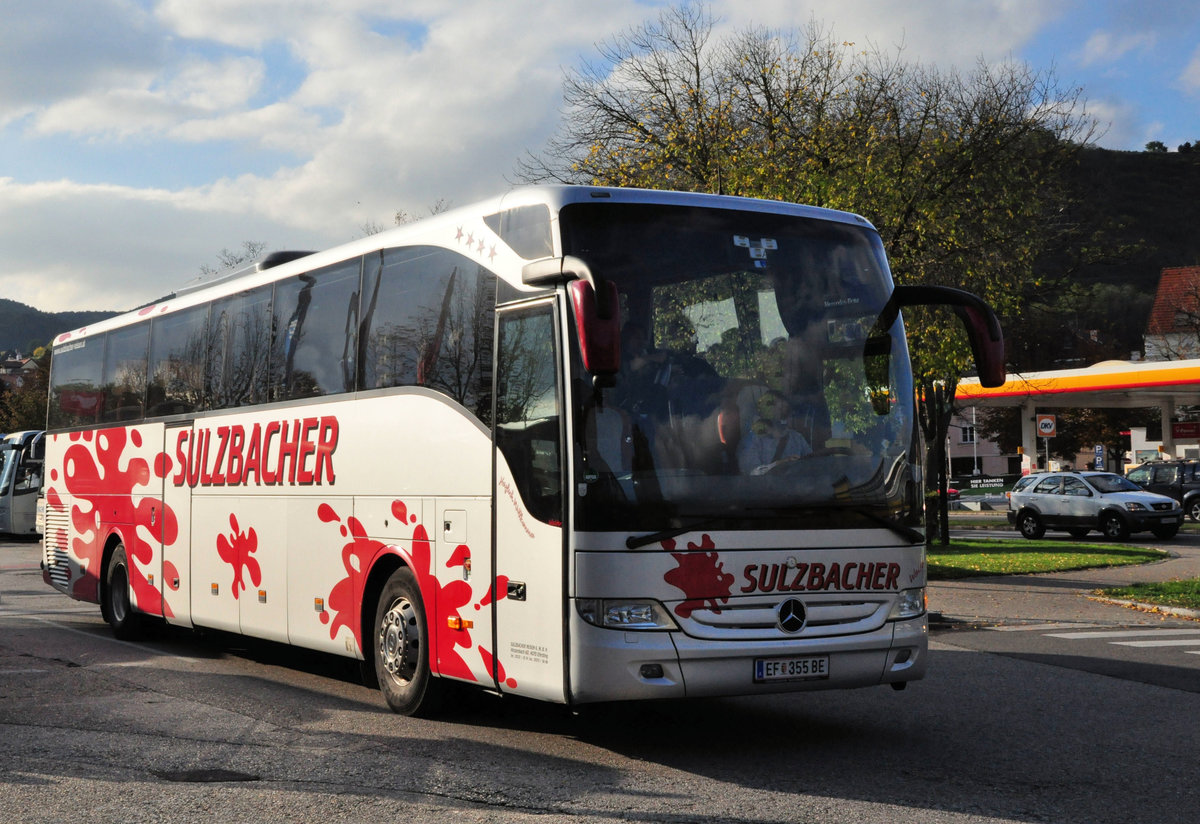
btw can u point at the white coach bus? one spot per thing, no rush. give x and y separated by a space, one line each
20 480
573 443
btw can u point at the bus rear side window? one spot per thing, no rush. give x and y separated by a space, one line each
75 396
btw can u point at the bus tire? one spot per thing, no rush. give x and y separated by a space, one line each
401 648
115 603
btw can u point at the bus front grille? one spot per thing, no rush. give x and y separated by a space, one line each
761 619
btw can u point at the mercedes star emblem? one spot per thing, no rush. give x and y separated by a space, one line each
791 615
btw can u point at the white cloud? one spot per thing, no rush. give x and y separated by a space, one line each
946 33
1119 123
360 107
197 88
1189 79
72 246
53 51
1104 48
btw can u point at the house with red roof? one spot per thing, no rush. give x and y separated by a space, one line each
1173 329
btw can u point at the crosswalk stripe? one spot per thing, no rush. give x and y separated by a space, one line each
1169 642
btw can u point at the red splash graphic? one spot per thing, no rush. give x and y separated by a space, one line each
346 596
492 665
99 470
443 601
236 551
500 586
700 576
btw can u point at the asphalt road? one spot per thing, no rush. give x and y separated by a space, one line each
1056 618
210 728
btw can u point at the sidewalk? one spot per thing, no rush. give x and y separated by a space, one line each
1059 597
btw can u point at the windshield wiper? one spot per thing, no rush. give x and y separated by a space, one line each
701 521
636 541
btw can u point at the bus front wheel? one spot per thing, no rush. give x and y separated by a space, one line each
116 606
402 648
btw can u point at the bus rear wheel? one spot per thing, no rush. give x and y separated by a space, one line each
115 604
401 648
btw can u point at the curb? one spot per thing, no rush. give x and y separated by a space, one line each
1174 612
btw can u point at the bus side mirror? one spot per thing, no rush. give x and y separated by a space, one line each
983 327
598 320
597 311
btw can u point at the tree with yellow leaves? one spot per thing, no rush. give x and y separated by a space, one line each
962 174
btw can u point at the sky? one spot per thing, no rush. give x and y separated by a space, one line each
139 138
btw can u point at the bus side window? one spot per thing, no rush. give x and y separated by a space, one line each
179 347
125 373
428 318
316 332
528 408
76 396
239 347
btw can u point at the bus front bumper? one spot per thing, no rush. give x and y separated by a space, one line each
613 665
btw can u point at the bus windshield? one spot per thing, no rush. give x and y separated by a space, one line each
756 386
8 464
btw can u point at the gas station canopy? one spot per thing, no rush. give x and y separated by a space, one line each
1120 384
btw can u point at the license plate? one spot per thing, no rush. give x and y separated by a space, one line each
790 669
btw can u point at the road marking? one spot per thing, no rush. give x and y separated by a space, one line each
27 671
1170 642
142 648
1133 633
1038 627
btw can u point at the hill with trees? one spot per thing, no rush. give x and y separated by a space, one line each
25 328
1093 305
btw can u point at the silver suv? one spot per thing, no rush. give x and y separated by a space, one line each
1079 502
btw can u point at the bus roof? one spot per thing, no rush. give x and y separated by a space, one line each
440 230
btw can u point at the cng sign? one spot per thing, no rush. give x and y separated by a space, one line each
1046 425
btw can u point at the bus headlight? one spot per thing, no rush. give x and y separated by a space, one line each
911 604
633 613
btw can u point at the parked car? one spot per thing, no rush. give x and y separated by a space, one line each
1175 479
1023 483
1079 502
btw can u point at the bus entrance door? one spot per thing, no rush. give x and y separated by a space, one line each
529 568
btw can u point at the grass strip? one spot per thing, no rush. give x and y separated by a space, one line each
1182 594
967 559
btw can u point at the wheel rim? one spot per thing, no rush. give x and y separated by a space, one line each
1195 511
1028 526
119 588
1112 527
400 641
